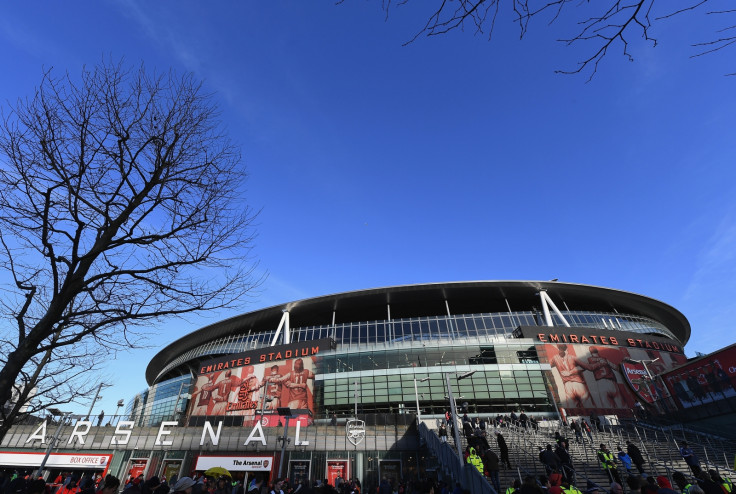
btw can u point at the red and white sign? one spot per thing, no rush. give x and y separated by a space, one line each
137 467
56 460
336 468
236 463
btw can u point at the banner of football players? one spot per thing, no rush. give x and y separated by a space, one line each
596 371
705 380
262 380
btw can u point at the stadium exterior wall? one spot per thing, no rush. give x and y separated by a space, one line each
377 356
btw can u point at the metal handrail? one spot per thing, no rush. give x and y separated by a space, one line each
466 474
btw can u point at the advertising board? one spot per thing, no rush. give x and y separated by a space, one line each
707 379
595 371
299 471
235 463
335 469
390 470
56 460
248 383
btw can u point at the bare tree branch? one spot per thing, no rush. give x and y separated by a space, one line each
120 204
614 23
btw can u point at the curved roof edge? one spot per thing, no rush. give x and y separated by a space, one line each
362 304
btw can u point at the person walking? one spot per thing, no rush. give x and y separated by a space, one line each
578 431
625 459
442 433
636 457
475 460
491 464
550 460
504 450
566 467
586 428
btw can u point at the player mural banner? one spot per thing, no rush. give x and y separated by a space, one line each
590 369
707 379
247 383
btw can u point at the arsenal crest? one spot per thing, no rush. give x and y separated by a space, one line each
637 377
355 431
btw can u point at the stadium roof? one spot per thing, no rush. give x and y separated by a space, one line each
467 297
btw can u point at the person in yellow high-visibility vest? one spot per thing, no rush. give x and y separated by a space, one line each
475 460
682 482
568 488
516 486
724 482
608 463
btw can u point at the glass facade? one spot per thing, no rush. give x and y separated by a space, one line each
507 375
160 402
488 327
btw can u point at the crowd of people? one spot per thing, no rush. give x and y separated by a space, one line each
24 482
557 461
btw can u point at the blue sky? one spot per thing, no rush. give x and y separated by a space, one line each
451 159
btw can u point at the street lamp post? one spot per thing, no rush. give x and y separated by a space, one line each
94 400
266 399
453 409
120 405
416 394
286 413
57 413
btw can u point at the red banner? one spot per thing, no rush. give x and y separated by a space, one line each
705 380
336 468
597 379
247 390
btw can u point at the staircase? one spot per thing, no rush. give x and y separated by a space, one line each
659 447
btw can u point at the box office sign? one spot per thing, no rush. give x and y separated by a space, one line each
56 460
236 463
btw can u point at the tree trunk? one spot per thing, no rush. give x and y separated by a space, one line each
8 375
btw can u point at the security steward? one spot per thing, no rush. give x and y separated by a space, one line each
516 486
724 482
475 460
567 488
608 463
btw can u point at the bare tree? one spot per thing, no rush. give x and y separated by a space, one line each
602 25
120 203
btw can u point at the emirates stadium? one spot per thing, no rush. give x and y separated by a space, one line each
385 337
332 385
